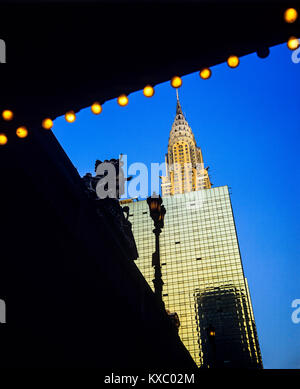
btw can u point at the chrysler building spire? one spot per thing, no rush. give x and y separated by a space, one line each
185 170
178 107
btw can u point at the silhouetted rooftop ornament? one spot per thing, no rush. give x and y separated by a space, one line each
109 207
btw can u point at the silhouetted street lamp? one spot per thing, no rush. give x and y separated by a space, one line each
157 213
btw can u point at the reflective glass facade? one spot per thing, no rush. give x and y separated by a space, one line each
203 275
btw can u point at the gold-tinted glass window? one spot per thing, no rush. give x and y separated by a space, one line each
203 275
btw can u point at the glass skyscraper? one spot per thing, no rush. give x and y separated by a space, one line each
201 264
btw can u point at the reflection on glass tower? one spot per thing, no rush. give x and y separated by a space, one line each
201 263
231 345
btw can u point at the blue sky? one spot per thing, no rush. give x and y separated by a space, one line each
246 121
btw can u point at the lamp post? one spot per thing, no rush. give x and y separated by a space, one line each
157 213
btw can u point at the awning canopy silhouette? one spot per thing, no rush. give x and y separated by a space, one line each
63 56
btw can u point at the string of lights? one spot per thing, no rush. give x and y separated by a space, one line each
290 16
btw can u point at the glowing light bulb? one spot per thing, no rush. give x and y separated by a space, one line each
123 100
22 132
47 124
233 61
205 73
293 43
3 139
148 91
290 15
96 108
70 116
7 115
176 82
